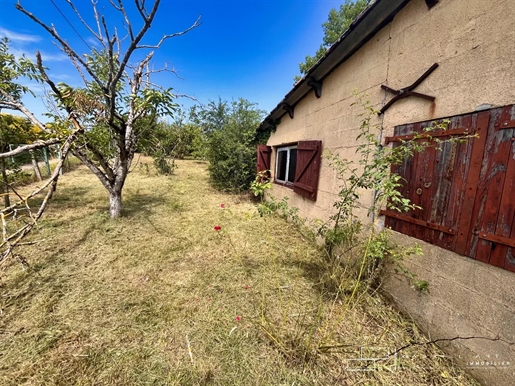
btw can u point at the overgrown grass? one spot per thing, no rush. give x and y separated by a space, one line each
125 302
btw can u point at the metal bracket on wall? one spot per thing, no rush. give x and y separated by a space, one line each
316 86
289 109
408 91
431 3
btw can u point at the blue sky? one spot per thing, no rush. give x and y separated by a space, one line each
245 48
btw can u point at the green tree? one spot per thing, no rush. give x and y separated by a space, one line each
169 141
212 117
16 130
11 70
180 138
231 149
12 129
98 121
337 23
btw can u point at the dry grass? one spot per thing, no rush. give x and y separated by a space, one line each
119 302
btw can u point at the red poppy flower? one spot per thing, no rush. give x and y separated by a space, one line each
238 318
246 287
217 228
222 206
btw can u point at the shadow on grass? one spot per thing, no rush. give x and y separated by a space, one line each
250 265
134 204
142 204
72 197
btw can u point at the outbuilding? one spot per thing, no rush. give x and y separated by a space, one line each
421 61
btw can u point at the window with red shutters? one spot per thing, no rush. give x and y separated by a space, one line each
308 169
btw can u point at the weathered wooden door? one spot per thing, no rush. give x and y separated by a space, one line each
465 189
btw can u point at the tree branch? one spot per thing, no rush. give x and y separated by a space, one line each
165 37
94 169
121 8
134 42
140 4
71 113
497 338
98 37
164 69
18 105
101 160
135 85
66 47
95 14
32 146
10 242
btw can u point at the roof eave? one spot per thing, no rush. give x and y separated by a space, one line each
367 24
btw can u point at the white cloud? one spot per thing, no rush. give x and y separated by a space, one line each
45 55
51 57
20 46
17 37
93 41
62 77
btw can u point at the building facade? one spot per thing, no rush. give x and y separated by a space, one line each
421 61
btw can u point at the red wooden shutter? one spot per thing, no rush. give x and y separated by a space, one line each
492 238
465 189
440 182
308 168
263 161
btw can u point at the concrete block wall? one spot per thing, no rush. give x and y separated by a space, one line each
466 298
473 41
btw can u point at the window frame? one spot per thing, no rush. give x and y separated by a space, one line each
287 148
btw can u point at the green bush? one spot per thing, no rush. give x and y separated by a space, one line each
168 141
232 148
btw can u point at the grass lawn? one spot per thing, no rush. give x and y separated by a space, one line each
159 297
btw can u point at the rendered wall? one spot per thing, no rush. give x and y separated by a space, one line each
474 44
475 51
467 298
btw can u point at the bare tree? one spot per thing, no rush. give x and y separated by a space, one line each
100 122
112 99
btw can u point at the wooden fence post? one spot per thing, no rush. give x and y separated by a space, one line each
35 165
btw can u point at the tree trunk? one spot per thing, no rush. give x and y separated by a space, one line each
115 203
4 187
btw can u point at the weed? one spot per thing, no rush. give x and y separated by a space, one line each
347 238
261 184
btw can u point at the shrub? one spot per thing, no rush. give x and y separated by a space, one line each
232 148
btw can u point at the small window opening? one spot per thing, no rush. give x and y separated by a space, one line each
285 165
